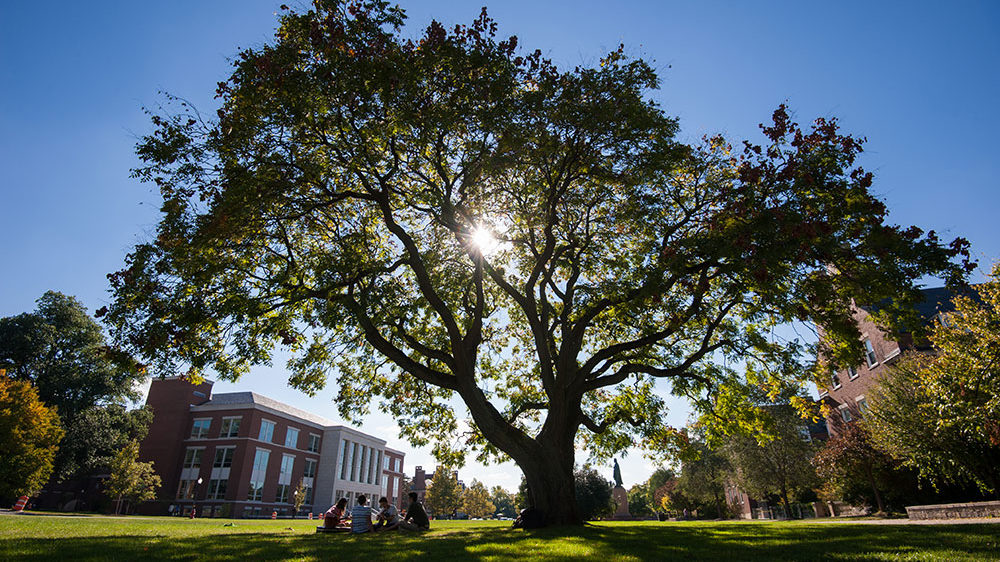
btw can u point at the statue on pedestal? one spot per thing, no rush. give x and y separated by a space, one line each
620 495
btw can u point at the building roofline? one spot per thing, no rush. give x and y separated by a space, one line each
252 400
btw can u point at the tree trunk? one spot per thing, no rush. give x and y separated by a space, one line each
551 486
784 500
878 496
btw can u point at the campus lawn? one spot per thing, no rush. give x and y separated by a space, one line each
26 537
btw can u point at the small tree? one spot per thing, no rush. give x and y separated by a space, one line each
593 493
29 437
444 495
521 499
638 500
476 500
130 479
659 477
299 497
779 465
849 459
703 476
940 414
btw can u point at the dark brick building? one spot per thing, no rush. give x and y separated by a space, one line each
847 391
241 454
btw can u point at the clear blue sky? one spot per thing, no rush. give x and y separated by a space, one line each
921 80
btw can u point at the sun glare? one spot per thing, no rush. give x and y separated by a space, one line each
484 241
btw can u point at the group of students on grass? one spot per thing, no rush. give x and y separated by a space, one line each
387 517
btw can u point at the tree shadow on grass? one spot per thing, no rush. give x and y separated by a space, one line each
636 542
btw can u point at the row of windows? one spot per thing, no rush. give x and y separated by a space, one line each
223 457
393 464
231 428
870 358
216 489
284 494
845 410
359 463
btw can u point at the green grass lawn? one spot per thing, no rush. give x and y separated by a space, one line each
25 537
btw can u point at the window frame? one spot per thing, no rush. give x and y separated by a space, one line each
288 433
195 423
270 435
845 413
227 426
870 356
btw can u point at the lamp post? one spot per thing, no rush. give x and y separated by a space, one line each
194 510
295 505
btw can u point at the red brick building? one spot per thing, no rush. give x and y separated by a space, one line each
847 391
241 454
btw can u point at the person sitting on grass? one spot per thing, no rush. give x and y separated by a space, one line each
388 516
416 517
361 516
335 516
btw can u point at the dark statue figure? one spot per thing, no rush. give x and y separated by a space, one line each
618 474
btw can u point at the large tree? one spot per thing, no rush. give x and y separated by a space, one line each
97 434
449 221
29 437
62 351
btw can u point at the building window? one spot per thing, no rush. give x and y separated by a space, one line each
309 495
399 464
363 465
230 427
852 373
313 443
217 489
845 413
185 491
835 379
200 428
385 463
224 457
192 457
282 493
385 485
256 491
310 469
257 476
804 434
266 431
287 462
292 438
870 353
354 466
862 404
343 459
